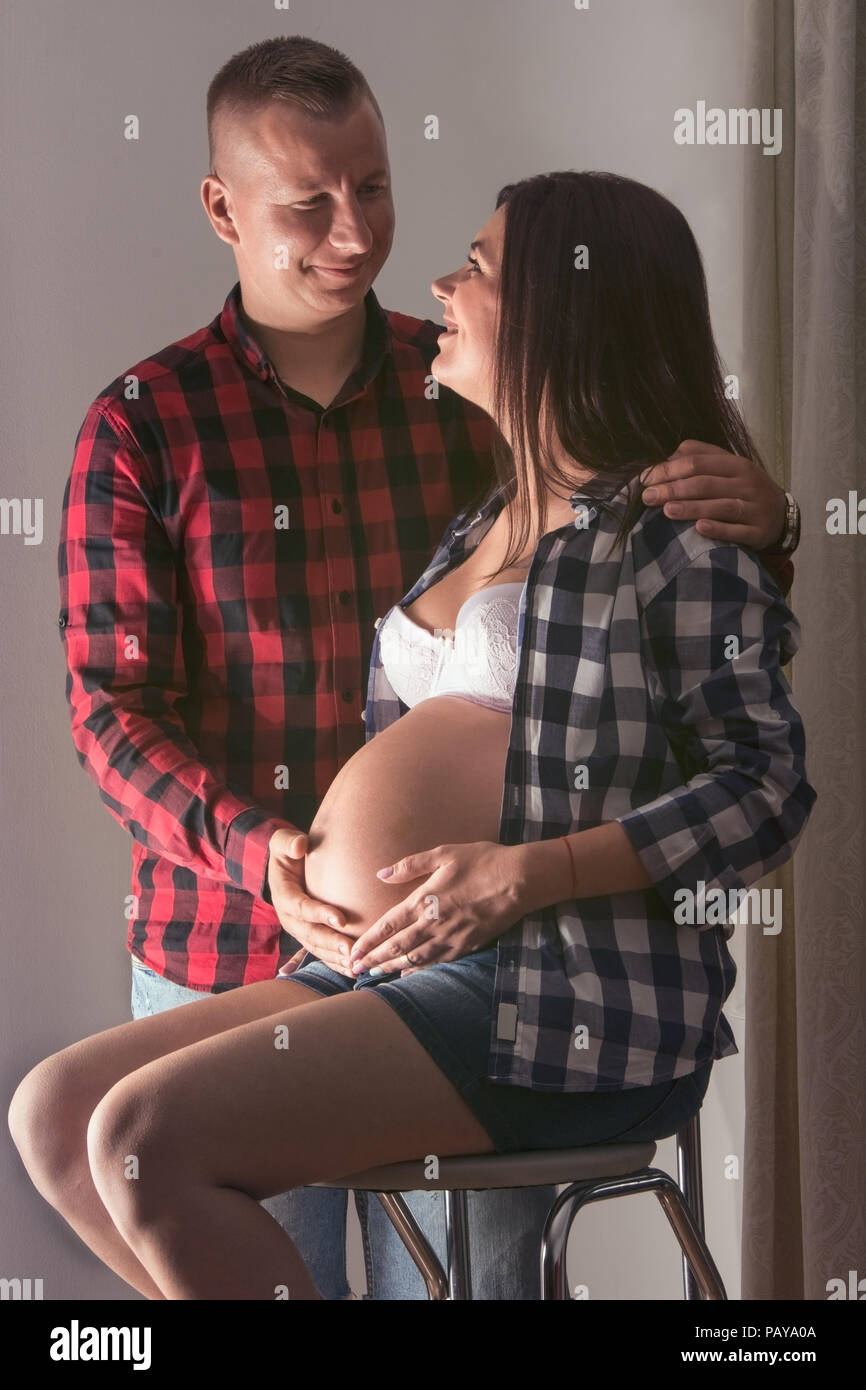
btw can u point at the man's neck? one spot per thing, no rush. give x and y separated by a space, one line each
315 360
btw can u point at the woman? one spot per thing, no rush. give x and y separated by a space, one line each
576 716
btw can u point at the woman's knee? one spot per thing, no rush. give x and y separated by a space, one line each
47 1119
135 1148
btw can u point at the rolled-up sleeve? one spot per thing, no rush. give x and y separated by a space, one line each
713 641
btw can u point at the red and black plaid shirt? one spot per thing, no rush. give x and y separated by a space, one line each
226 547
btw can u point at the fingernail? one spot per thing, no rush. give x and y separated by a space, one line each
673 509
357 967
377 971
649 494
344 950
385 873
333 921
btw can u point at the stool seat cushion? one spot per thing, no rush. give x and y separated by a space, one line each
477 1172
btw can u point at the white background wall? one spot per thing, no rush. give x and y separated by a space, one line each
108 256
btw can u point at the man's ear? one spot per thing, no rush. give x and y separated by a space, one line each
216 198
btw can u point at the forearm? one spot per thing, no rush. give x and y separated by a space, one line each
729 714
151 778
603 859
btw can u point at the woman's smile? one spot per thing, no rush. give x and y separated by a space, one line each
469 297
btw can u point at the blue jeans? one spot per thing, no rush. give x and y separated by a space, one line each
505 1225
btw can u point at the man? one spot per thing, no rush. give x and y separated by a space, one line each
241 507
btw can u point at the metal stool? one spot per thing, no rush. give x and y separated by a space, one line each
591 1174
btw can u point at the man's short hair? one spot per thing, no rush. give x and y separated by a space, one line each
311 76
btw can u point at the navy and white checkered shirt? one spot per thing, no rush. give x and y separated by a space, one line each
649 691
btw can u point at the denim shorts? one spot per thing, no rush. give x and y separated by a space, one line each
449 1008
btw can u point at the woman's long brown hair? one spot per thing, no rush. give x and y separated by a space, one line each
621 352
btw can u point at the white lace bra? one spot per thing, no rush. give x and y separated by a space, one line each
478 660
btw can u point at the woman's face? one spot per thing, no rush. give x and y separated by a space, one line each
470 298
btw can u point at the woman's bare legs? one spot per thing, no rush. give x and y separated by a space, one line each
291 1099
217 1113
52 1106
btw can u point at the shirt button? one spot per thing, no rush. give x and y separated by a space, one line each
345 596
336 504
348 696
61 621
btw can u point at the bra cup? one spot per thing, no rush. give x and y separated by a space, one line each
486 664
409 665
479 662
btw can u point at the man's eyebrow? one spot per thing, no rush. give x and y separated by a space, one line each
301 185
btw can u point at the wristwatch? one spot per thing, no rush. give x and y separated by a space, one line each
791 534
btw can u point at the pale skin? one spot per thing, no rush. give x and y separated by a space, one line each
216 1115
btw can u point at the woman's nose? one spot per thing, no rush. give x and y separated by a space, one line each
441 288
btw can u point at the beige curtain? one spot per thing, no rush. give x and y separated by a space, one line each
804 1169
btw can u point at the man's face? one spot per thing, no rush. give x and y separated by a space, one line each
471 301
307 206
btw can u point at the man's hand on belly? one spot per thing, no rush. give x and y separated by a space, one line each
318 926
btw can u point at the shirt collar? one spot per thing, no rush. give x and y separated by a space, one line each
586 509
239 336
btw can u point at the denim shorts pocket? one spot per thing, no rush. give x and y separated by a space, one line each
145 969
681 1101
638 1131
140 1002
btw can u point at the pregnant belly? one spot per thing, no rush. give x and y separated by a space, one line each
433 777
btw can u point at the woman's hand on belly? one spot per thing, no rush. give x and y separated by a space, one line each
472 894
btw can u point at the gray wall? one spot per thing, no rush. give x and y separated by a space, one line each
108 256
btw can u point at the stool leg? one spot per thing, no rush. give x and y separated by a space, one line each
554 1242
691 1181
416 1243
554 1239
457 1245
704 1276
